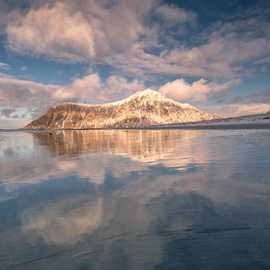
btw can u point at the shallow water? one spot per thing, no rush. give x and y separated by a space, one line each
168 199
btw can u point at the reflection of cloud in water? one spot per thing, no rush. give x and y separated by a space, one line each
108 227
93 154
64 222
15 144
94 167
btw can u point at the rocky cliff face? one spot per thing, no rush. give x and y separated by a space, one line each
139 110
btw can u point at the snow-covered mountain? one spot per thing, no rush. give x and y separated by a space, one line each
141 109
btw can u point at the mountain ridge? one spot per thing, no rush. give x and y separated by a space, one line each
142 109
151 94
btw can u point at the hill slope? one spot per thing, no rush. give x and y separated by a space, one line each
142 109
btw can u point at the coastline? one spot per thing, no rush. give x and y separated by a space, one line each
209 126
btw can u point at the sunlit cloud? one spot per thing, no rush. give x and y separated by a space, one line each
53 31
63 31
198 90
123 33
174 14
16 93
91 88
81 87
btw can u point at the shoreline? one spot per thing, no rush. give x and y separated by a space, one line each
221 126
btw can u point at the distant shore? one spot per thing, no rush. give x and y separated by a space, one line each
211 126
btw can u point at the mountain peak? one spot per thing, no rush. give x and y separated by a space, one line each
143 108
146 95
151 96
147 92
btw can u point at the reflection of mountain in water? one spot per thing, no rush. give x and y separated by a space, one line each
170 147
93 154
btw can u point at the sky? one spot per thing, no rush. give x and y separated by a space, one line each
212 54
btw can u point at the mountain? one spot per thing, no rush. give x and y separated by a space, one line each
141 109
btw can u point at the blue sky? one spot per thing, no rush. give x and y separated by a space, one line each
212 54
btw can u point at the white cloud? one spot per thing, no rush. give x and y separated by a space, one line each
116 25
198 90
221 55
174 14
24 93
119 86
90 30
4 66
54 31
229 50
91 88
65 31
123 34
86 87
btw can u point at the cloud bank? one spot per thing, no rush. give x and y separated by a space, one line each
198 90
139 38
53 31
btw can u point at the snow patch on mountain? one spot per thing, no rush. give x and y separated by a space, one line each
141 109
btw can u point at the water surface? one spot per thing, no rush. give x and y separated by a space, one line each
163 199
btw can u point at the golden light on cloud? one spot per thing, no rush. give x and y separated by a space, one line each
54 31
